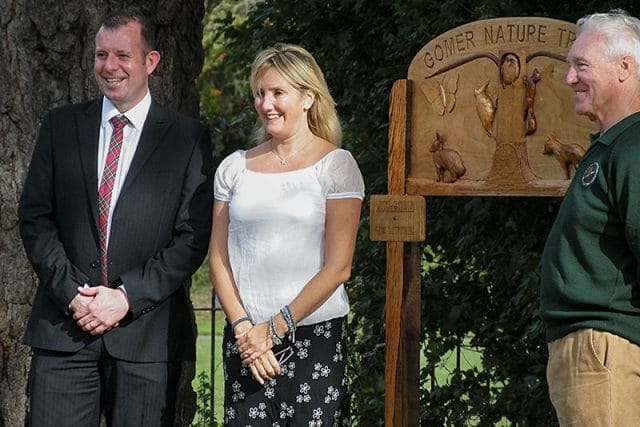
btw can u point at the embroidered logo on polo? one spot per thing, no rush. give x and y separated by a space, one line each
590 174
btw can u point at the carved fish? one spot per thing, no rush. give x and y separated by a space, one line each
485 108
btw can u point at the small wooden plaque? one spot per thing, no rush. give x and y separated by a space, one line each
397 218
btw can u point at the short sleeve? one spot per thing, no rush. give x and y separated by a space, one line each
227 174
340 176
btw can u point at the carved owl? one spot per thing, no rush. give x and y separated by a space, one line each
509 69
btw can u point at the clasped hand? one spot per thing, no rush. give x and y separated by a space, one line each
255 346
98 309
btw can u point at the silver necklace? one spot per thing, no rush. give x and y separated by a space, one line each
285 160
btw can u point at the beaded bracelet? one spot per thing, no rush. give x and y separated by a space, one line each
238 321
291 324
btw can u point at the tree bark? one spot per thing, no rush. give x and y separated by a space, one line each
46 60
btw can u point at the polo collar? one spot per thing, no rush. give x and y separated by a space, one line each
614 131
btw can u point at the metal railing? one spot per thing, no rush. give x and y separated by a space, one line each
212 354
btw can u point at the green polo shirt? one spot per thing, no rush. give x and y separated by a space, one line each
589 271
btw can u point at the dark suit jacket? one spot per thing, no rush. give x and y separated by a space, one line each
159 234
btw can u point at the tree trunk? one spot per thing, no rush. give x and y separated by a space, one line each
46 60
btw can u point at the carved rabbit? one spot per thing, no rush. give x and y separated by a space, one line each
567 154
445 159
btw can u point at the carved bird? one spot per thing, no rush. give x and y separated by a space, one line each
485 108
509 69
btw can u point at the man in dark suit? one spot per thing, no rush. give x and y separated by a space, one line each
115 220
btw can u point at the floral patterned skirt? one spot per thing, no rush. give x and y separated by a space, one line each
310 391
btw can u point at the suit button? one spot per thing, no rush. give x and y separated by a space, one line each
94 264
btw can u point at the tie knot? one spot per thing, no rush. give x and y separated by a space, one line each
118 122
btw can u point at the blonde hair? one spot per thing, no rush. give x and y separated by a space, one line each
298 67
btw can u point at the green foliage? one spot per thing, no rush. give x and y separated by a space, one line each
480 285
204 411
225 101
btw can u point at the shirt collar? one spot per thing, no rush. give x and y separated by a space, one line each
137 115
614 131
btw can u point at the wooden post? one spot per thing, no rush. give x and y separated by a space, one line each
402 383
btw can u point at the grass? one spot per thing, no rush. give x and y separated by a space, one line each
203 356
201 297
469 357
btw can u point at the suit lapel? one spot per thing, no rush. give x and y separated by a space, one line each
155 126
88 125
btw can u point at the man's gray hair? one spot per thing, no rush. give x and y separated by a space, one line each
620 32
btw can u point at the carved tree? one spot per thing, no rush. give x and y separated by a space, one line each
46 60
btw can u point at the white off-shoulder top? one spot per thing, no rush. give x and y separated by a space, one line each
276 237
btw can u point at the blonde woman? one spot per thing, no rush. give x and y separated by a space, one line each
286 214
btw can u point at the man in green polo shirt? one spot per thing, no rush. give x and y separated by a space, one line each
590 276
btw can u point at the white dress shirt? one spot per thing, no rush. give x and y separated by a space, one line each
130 138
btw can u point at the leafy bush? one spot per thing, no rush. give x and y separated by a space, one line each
481 283
204 410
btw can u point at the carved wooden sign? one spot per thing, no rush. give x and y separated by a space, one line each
489 112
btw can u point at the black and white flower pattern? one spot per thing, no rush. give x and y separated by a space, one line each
310 390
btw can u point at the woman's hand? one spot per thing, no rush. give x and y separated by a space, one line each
265 367
254 342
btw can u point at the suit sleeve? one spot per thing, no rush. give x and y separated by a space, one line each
150 284
39 229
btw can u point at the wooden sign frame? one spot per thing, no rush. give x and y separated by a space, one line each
484 111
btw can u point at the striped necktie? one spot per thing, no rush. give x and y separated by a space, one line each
106 189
